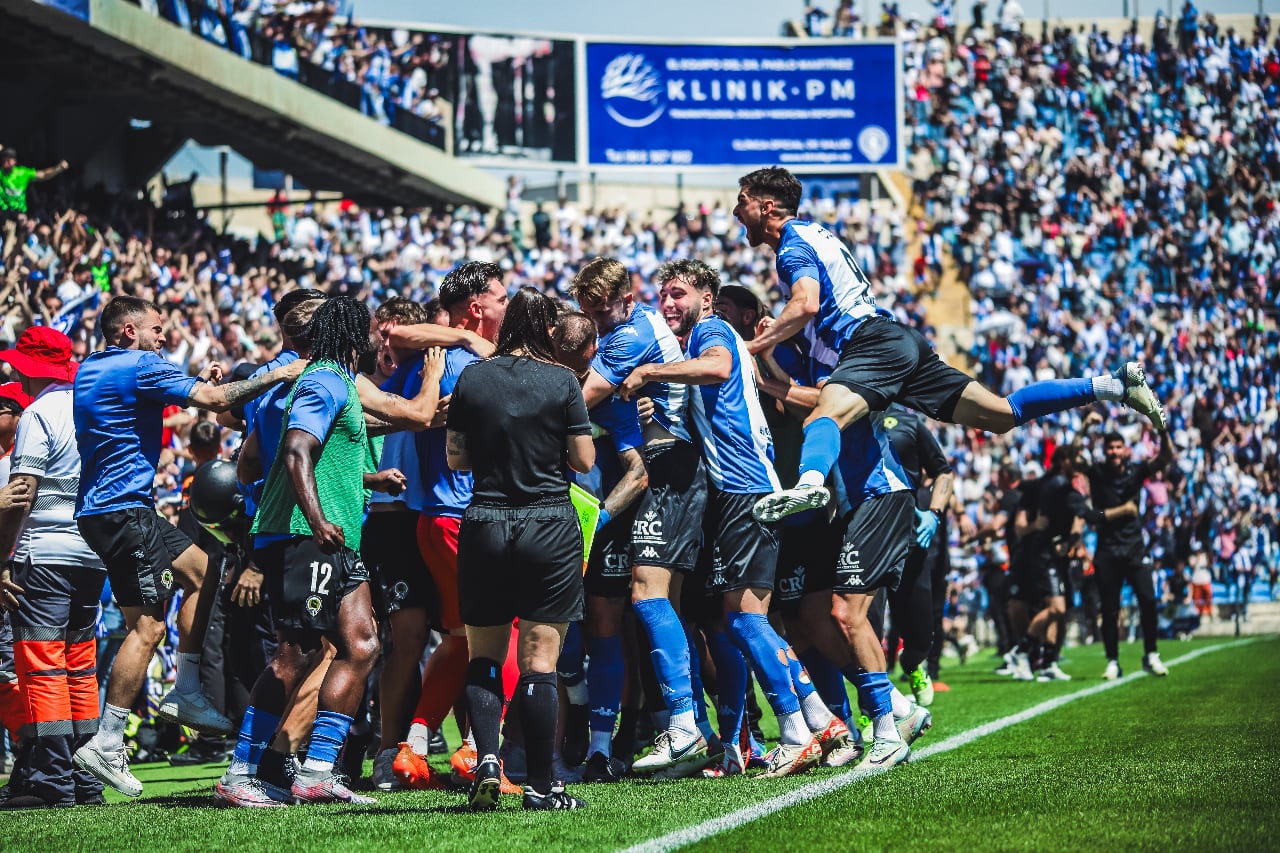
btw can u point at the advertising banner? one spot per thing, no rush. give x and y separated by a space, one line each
823 105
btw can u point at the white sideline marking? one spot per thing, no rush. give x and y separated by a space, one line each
733 820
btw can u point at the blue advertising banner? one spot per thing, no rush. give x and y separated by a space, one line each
818 106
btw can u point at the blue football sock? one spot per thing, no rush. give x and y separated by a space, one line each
821 447
604 682
1052 395
669 650
731 673
760 644
695 679
875 693
570 665
828 680
801 679
328 734
256 731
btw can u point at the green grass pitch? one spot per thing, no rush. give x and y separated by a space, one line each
1185 763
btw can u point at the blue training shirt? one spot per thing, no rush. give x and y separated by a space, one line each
807 250
645 339
736 443
266 413
400 449
119 402
447 491
319 399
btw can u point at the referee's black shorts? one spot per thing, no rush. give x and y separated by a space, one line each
520 562
886 362
138 548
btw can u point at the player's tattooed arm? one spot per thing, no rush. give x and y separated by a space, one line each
377 426
400 412
222 398
455 448
634 480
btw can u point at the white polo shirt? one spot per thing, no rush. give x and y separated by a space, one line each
45 447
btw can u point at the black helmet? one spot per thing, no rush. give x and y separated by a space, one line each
216 501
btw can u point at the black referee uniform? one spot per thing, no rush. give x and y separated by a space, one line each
1120 555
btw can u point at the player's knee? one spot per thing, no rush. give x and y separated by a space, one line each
149 630
363 648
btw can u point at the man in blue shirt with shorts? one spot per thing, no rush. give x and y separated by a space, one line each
667 530
737 449
120 394
881 362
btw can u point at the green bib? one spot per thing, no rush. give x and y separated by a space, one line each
345 456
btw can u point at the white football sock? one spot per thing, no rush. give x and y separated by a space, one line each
901 704
792 729
1108 387
188 673
419 739
884 729
110 736
811 478
683 727
817 716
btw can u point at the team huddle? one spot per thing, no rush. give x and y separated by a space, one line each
757 482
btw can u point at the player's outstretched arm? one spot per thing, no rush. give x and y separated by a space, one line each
710 368
222 398
630 486
398 412
796 314
426 335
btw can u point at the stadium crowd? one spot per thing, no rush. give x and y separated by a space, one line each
1104 201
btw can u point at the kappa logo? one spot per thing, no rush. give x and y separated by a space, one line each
632 91
313 604
649 554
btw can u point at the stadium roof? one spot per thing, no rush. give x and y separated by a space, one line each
136 65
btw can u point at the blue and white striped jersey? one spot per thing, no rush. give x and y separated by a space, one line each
736 443
807 250
645 339
868 465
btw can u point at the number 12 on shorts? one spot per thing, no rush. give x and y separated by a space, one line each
321 574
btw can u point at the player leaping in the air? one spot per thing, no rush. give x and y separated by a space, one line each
881 362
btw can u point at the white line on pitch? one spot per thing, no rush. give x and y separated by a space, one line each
733 820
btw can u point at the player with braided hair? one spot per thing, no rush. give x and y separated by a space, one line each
307 535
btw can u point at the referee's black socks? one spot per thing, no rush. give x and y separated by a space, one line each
484 701
539 708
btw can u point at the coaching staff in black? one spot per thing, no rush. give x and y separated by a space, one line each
514 420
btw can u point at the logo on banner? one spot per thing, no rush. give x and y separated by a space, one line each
873 142
632 91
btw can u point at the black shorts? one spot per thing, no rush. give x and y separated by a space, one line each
609 569
138 548
307 585
746 549
389 548
806 561
876 542
667 531
702 593
1037 576
886 362
520 562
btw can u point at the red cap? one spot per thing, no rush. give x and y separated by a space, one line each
13 391
42 353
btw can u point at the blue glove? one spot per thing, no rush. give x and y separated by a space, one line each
604 518
926 526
